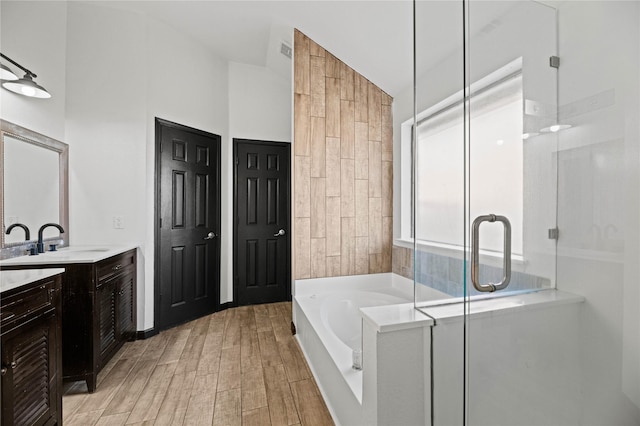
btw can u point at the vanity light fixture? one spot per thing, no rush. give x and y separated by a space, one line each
556 128
24 86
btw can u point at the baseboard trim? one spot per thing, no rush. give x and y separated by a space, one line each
145 334
228 305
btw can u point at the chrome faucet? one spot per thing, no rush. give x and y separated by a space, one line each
42 228
27 234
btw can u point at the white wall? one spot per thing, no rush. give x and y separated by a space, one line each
259 103
124 70
111 73
599 44
187 85
259 108
106 131
39 44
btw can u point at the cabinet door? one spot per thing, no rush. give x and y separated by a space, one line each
29 362
125 302
106 298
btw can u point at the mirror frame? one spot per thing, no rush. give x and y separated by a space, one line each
29 136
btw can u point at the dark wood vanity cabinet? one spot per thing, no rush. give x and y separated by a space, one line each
116 319
99 305
98 313
31 354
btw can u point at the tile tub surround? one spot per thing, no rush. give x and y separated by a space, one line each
343 168
402 262
444 273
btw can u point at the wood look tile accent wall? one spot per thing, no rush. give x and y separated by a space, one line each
403 261
343 167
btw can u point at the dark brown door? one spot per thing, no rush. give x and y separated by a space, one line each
187 236
262 243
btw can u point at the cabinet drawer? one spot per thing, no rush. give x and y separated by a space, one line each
114 266
34 300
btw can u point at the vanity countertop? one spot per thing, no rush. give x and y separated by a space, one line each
13 279
66 255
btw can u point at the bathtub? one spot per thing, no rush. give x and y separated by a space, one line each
412 362
328 320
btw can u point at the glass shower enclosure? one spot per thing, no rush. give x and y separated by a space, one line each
524 181
485 173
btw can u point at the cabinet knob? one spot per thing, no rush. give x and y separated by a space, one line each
118 266
4 368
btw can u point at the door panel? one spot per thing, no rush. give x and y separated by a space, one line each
262 209
125 303
188 253
484 92
510 206
107 306
28 392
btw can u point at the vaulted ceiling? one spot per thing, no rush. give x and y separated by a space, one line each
375 37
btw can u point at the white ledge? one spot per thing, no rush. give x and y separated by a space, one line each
405 316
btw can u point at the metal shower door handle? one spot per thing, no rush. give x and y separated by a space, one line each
475 253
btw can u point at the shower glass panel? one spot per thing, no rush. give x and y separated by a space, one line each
438 194
511 169
494 80
510 153
485 100
485 153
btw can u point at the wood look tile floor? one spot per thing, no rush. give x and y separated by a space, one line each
240 366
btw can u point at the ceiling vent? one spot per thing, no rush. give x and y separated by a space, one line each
285 49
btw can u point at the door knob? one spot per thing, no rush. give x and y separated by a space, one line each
210 236
279 233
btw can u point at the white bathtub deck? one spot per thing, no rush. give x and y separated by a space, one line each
330 358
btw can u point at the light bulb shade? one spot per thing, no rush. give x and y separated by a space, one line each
27 87
528 135
6 73
556 128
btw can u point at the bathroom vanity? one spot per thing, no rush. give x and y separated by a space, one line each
30 324
98 304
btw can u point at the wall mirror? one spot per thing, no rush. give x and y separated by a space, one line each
35 187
